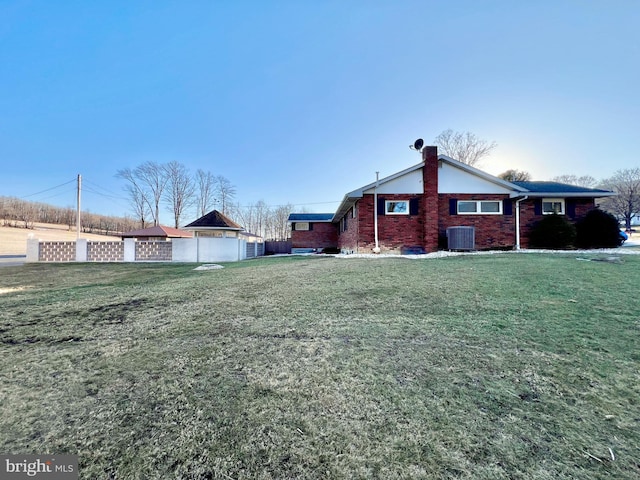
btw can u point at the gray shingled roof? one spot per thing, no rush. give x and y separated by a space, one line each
214 219
310 217
556 187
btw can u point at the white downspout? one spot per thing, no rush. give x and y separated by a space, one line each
376 249
518 221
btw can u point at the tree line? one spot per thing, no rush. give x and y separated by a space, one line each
259 218
15 212
151 186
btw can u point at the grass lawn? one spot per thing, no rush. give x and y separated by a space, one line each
477 367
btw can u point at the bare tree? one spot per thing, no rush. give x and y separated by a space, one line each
140 203
513 175
153 177
251 217
206 185
584 181
281 229
226 193
626 205
259 218
463 146
69 217
27 213
180 190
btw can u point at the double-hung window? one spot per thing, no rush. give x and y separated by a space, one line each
553 205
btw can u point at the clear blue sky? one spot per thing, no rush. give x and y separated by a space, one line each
303 101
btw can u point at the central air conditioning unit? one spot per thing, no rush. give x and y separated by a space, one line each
461 238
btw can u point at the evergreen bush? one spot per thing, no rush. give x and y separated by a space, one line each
598 229
553 232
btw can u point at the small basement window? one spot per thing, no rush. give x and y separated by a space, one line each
396 207
479 207
553 205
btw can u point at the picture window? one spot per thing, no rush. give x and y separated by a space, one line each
397 207
479 207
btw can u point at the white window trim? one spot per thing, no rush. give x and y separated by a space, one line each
302 226
563 209
386 207
479 207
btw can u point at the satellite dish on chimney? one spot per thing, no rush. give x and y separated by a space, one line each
417 145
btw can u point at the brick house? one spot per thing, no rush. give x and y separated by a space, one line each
314 232
417 209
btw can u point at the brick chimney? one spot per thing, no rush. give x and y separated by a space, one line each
430 198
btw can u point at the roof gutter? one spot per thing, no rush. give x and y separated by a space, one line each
564 194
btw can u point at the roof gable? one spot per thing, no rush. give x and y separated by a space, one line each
457 177
499 185
214 219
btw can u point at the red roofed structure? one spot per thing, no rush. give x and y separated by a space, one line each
157 233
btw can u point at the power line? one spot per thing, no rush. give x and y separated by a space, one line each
66 192
290 204
87 189
110 193
49 189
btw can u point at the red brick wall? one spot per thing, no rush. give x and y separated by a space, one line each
528 218
492 231
498 231
323 235
348 240
394 231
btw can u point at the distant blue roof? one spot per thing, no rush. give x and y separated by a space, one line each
556 187
310 217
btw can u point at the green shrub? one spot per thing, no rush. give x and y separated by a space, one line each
552 232
598 229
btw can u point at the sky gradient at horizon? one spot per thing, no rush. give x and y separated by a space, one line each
302 102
